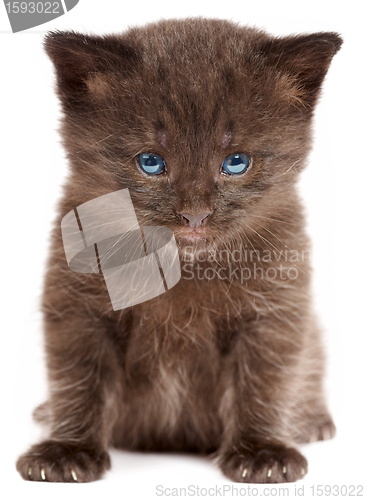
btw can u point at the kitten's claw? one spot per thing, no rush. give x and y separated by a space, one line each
284 470
43 474
244 473
269 473
30 471
74 476
302 471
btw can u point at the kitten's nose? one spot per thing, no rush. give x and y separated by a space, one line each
195 220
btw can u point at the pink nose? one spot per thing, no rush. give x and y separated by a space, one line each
195 220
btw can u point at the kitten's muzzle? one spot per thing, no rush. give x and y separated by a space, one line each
195 220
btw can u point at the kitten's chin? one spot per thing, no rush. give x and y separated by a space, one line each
193 237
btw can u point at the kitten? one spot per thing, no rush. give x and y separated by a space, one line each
229 361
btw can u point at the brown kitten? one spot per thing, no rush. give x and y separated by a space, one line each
230 359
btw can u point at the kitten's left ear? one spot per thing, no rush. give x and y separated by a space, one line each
86 64
306 58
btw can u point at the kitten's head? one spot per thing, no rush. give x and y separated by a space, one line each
207 123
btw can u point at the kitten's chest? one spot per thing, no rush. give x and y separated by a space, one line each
189 331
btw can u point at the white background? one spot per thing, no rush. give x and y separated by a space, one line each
33 167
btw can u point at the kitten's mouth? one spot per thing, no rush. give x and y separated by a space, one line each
194 244
191 235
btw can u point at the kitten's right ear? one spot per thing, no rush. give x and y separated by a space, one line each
83 61
305 58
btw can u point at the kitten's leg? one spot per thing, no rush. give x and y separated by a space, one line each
41 414
262 378
81 406
321 428
312 421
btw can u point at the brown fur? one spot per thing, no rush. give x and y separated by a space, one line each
213 365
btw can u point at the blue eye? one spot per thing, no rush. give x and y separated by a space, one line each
236 164
151 163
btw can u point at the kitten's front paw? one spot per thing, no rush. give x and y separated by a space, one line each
63 462
263 463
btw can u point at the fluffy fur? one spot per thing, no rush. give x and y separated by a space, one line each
220 364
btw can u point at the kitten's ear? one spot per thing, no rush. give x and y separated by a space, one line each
83 63
306 58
